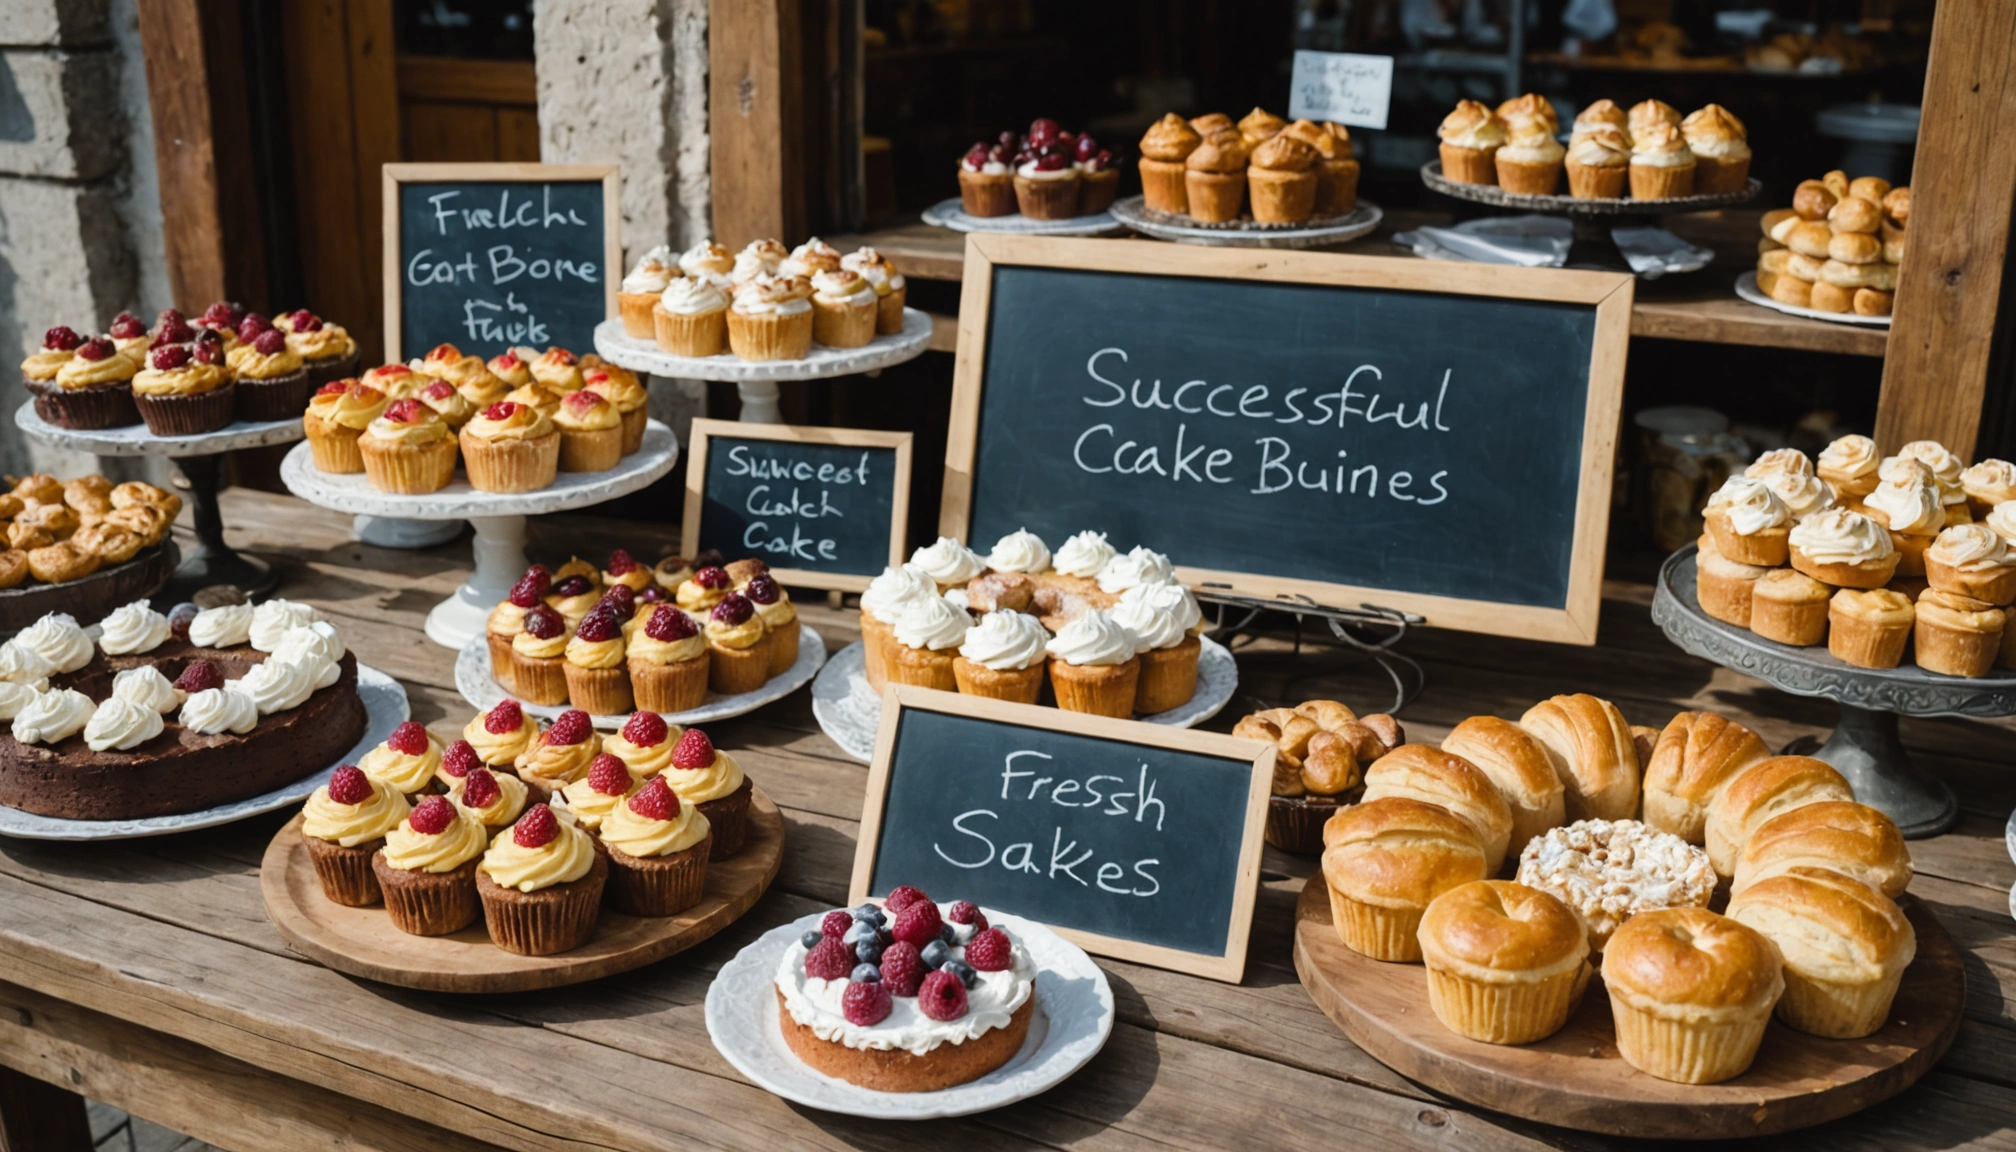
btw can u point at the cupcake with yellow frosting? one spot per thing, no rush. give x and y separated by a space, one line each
539 656
780 618
644 744
705 588
91 388
560 755
541 884
512 367
591 432
406 761
343 825
510 448
624 569
537 397
466 371
597 678
446 402
738 646
408 449
658 849
621 387
427 869
59 346
558 369
591 798
185 388
396 381
667 660
335 421
500 735
495 799
326 349
273 380
711 781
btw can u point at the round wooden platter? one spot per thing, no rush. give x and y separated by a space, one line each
363 942
1576 1079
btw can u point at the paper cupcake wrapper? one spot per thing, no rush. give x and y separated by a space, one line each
732 671
633 429
538 681
1047 199
1651 183
1168 677
334 447
921 667
1096 689
1469 165
429 904
596 451
99 406
1699 1053
659 885
1018 685
282 398
680 686
1389 934
1295 823
635 309
770 337
345 873
599 691
1281 197
728 818
550 920
410 470
1837 1011
843 326
1596 182
510 465
1214 197
783 648
889 312
1505 1013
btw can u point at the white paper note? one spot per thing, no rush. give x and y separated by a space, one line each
1352 90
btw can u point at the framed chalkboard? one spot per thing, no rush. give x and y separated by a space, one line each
1433 437
487 256
1136 841
824 507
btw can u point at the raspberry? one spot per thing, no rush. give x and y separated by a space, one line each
223 314
407 411
621 563
442 353
763 589
409 738
734 609
271 342
965 912
572 586
918 924
834 924
560 355
126 326
865 1003
668 624
572 727
694 750
581 401
438 390
460 759
306 321
536 582
505 360
334 388
505 717
598 626
502 410
432 816
61 338
901 897
169 357
712 578
607 775
479 788
829 960
174 330
200 676
902 969
942 996
655 800
989 951
208 351
645 729
168 314
97 348
619 599
349 785
536 828
544 623
250 328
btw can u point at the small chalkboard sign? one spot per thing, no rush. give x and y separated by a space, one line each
824 507
1426 436
1136 841
487 256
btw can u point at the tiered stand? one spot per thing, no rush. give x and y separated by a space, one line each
212 561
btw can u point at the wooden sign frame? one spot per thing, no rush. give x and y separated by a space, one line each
394 175
1230 965
1610 294
899 513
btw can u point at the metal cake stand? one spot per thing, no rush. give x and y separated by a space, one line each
1864 746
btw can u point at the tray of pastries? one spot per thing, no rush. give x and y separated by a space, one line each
1832 255
82 546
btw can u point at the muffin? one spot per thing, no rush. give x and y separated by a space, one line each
1214 178
1507 964
1048 184
738 646
708 261
1760 792
1790 607
644 744
1098 180
1839 836
926 640
705 588
1869 629
1532 106
1471 136
500 735
621 388
408 450
343 825
1849 465
335 422
1281 180
1646 115
427 869
468 373
1908 502
986 183
1662 168
273 381
1721 149
541 884
1725 589
1093 665
667 660
1530 160
1691 993
536 656
757 259
1843 548
1595 753
1002 658
1956 635
658 850
1972 560
328 352
184 390
1336 168
598 678
1845 945
93 387
1597 161
891 289
512 368
1385 862
771 319
591 432
638 293
1748 522
843 309
713 782
510 448
882 602
558 756
780 620
453 407
1166 145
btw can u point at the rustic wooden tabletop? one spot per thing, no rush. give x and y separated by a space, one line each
146 975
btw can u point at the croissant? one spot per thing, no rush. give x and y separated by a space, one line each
1760 792
1518 765
1428 774
1391 735
40 488
1697 755
1329 715
1594 755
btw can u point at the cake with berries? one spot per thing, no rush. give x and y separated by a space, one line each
908 996
658 849
426 869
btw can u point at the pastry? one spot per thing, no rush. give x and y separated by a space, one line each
1593 753
1098 180
703 589
843 309
891 289
1721 149
336 418
643 744
555 369
1608 871
1281 180
591 432
1691 993
1506 964
1214 178
597 794
1601 112
408 450
1760 792
1471 136
1212 122
407 760
883 601
771 319
691 318
500 735
1852 839
1749 522
1662 168
343 825
947 562
185 388
638 293
621 388
1695 757
1869 629
598 679
1385 862
1845 947
510 448
926 638
986 183
1646 114
658 851
1724 588
541 884
59 346
1843 548
510 370
495 799
1167 144
780 620
1530 161
1002 658
328 352
1789 474
1425 773
1047 181
427 869
93 386
713 782
558 756
738 645
1790 607
1972 560
537 655
667 660
274 383
1518 765
1260 126
1955 635
1161 614
1093 666
1336 166
1849 465
1597 161
1986 484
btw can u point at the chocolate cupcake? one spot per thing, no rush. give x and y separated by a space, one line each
273 380
186 389
712 782
343 825
93 389
541 884
427 868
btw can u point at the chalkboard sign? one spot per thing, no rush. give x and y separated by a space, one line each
824 507
1136 841
487 256
1433 437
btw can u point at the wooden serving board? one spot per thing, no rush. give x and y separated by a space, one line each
363 942
1576 1079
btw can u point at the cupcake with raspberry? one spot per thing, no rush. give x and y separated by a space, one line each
780 618
597 679
130 336
273 380
501 735
38 371
511 369
223 318
336 418
185 388
408 449
507 620
467 372
591 432
539 656
558 369
644 744
621 387
396 381
1048 184
541 884
510 448
668 662
495 799
446 402
658 850
573 596
560 755
94 388
624 569
1099 181
407 761
537 397
986 183
704 589
710 780
607 784
738 646
326 349
343 825
458 759
427 869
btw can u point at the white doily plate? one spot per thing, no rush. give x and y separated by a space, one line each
1134 212
384 709
480 688
618 347
952 214
849 711
1746 287
136 440
1073 1017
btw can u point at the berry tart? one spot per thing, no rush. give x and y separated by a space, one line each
910 996
541 884
712 781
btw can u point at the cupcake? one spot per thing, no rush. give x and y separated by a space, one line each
691 318
59 346
738 646
343 825
1212 122
407 761
1160 616
93 387
843 309
495 799
1139 565
408 450
1726 589
779 617
1082 557
644 744
1597 161
1869 629
1167 144
273 380
947 562
427 869
658 850
500 735
591 432
1946 476
1748 522
1845 947
1661 166
1843 548
1530 105
1721 149
1849 466
468 373
1048 184
667 660
594 796
638 292
557 369
1972 560
1987 484
1646 115
1281 180
1690 992
326 349
538 656
1020 551
1790 476
541 884
1093 666
771 319
809 259
621 388
558 756
1002 658
757 260
703 589
1907 501
926 639
453 407
883 601
1098 180
396 381
711 781
510 448
1506 964
1790 607
888 283
185 388
597 678
1471 136
1336 170
129 335
335 421
986 183
1956 635
1214 178
707 261
1601 112
1531 159
1384 863
623 568
1259 126
535 396
512 368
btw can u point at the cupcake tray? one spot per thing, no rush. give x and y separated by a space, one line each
1245 232
385 708
952 214
362 941
618 347
850 712
1074 1016
1576 1079
1747 289
481 689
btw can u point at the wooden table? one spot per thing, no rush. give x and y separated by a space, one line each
145 974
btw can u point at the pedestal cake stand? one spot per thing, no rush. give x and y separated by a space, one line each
211 561
498 518
757 380
1864 746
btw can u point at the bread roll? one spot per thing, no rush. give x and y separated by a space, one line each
1789 289
1840 835
1893 244
1697 755
1804 267
1766 245
1810 238
1897 206
1855 215
1691 993
1428 774
1827 297
1874 302
1836 182
1845 944
1507 964
1519 766
1774 218
1812 200
1760 792
1774 260
1331 764
1327 714
1384 862
1767 282
1878 275
1593 754
1870 188
1855 247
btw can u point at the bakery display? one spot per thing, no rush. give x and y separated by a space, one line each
766 302
1261 171
1045 173
1651 152
1837 248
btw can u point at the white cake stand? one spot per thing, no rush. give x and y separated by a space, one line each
757 380
499 518
211 561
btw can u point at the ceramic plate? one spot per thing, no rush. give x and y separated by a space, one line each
952 214
1134 212
1073 1018
618 347
1746 287
384 709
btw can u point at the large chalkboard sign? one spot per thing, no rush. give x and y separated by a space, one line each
1433 437
1137 841
824 507
487 256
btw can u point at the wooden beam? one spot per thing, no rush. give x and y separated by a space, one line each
36 1116
1962 190
754 100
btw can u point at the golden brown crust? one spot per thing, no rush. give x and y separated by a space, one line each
1170 139
1691 957
13 568
1211 122
1283 153
1812 200
1326 143
24 537
1222 152
39 488
1519 766
59 520
1502 926
1259 125
1594 755
58 563
1696 757
1399 853
1428 774
897 1070
1760 792
1852 839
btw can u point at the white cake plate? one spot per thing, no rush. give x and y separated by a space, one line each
757 380
1134 212
481 689
1746 287
499 518
952 214
1073 1017
384 709
849 710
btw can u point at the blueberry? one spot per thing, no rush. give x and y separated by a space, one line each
857 932
868 952
868 912
869 974
962 970
811 939
935 954
947 933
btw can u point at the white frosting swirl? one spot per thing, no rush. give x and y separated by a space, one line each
932 622
1168 596
1020 551
217 710
1153 627
1751 505
1944 465
888 594
52 716
1139 566
276 687
273 619
1839 536
1094 638
652 272
1779 462
322 671
1083 555
1850 456
20 665
1989 476
1006 641
691 297
222 627
1973 547
317 639
147 687
133 628
947 561
2002 518
14 697
1803 493
121 724
1908 505
57 639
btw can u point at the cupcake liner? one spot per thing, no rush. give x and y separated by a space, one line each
702 334
1800 625
658 885
428 903
1214 197
510 465
770 337
1096 689
345 873
1707 1052
1168 677
500 661
1390 934
984 195
635 310
1505 1013
1281 197
191 414
1727 599
1295 823
280 398
1654 183
732 671
1837 1011
680 686
1952 652
98 406
1527 178
1996 586
922 667
1336 187
538 681
1910 548
1162 188
728 818
550 920
408 469
333 446
889 312
875 637
1595 181
1055 199
1766 549
590 451
783 647
599 691
1098 191
633 429
1713 176
842 325
1020 685
1469 165
1866 645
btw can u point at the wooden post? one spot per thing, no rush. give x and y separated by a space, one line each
754 87
36 1116
1963 188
